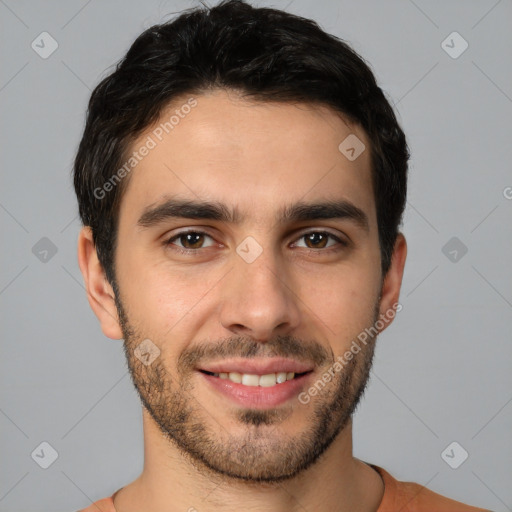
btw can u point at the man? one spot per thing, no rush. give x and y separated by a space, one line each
241 181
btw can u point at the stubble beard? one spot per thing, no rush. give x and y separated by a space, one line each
263 452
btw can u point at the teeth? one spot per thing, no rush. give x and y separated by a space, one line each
250 380
247 379
235 377
267 380
281 377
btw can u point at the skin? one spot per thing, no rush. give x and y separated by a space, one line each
296 298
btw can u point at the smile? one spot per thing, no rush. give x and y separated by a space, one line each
248 379
257 384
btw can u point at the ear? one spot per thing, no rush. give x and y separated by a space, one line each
99 291
390 292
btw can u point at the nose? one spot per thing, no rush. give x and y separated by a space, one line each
259 300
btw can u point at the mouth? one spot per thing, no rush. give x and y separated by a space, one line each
258 384
253 380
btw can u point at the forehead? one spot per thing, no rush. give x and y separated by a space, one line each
256 156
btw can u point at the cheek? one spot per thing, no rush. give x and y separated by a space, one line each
165 302
343 303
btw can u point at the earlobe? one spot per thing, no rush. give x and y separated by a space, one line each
390 294
100 294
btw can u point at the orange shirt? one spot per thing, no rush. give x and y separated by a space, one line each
398 497
411 497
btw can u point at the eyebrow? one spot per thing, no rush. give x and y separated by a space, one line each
323 210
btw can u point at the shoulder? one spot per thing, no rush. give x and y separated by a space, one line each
412 497
104 505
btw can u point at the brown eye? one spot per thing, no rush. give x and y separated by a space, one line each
316 240
190 240
319 240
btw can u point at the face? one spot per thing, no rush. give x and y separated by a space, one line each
247 262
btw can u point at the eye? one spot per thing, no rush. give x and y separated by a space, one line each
320 240
190 240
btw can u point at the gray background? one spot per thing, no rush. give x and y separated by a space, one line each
442 370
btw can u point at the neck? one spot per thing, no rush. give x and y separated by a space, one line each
171 482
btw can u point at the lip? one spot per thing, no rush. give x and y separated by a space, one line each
258 397
255 366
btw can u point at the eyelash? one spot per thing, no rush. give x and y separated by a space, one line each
182 250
